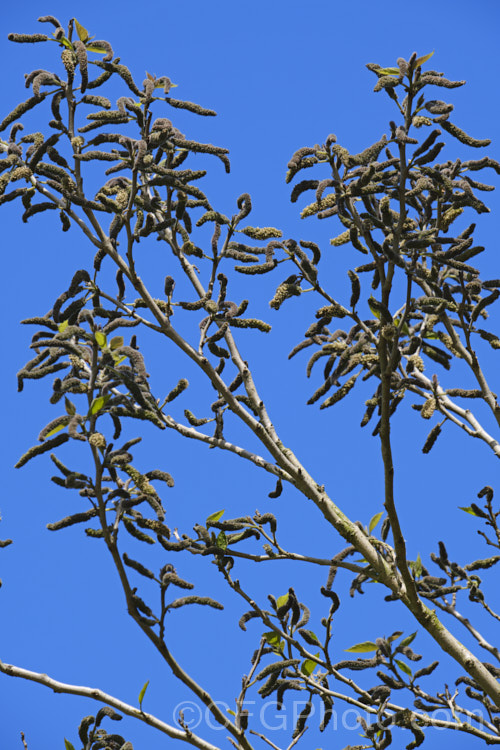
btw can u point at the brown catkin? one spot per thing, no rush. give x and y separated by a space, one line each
69 62
428 408
431 438
27 38
81 56
97 440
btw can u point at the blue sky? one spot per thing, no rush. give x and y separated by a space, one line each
281 76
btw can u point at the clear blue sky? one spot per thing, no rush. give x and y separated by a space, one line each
281 75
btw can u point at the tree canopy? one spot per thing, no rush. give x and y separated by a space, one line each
410 333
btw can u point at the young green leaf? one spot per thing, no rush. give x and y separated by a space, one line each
467 510
82 32
374 521
222 540
65 42
374 311
101 339
70 407
115 342
215 517
388 71
423 59
271 637
417 566
282 600
96 48
274 641
364 647
308 666
142 694
98 403
62 326
55 430
68 745
404 667
405 328
395 635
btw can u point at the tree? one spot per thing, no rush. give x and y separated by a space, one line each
422 312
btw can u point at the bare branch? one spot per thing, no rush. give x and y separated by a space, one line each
109 700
